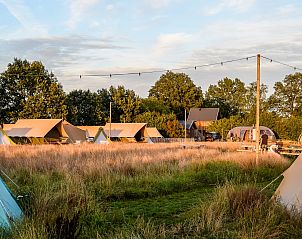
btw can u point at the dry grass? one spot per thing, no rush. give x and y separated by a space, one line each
88 158
76 186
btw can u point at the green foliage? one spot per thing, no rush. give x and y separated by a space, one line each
285 128
167 124
250 106
28 90
85 108
223 126
178 92
287 98
152 104
127 103
229 92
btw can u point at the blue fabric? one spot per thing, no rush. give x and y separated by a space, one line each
9 208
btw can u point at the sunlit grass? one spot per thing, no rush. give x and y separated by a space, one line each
132 190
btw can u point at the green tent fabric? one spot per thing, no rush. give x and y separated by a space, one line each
9 208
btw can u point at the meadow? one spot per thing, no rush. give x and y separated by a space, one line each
146 191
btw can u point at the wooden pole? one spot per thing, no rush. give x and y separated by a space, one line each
110 112
258 111
185 125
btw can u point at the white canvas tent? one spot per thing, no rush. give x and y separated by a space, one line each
4 139
289 192
101 137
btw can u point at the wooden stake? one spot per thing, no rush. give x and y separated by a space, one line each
258 111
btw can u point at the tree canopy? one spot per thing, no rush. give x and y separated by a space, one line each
85 108
178 92
287 98
28 90
229 95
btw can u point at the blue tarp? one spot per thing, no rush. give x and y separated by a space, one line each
9 208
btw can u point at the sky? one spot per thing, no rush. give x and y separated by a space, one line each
78 37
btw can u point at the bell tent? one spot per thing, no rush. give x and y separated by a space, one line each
101 137
9 208
289 192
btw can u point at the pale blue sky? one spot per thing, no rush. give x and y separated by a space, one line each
73 37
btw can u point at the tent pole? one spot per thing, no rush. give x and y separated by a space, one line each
185 125
258 111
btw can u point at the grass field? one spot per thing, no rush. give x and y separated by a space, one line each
146 191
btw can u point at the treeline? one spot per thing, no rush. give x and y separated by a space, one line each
28 90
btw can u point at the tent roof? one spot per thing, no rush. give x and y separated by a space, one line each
8 127
73 133
37 128
92 130
153 133
123 130
203 114
101 137
239 128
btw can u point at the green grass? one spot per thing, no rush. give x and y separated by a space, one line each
214 199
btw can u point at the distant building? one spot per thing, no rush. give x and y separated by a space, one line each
199 119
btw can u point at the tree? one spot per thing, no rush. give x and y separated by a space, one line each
229 93
85 108
223 126
287 98
167 124
125 103
152 104
178 92
251 92
225 109
28 90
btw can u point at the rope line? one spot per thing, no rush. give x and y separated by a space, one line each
139 73
282 63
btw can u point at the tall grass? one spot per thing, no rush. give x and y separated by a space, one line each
95 191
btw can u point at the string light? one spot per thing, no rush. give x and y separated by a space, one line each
173 69
164 70
281 63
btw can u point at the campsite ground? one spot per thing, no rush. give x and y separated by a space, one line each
147 191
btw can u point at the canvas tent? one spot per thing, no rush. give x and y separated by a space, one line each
128 132
4 139
101 137
38 131
91 131
9 208
72 133
289 192
153 133
248 133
